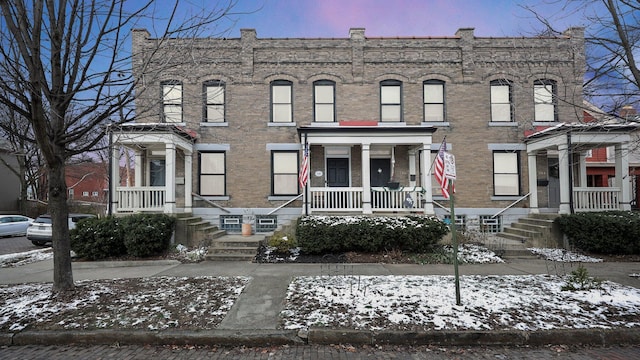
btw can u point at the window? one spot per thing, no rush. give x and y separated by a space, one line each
214 92
212 174
85 193
157 172
490 224
501 109
71 193
506 179
324 101
94 194
172 101
284 178
544 97
281 101
433 94
391 100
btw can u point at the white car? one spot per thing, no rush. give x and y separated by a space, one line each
40 231
14 225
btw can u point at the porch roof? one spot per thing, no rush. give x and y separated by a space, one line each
367 134
150 135
587 136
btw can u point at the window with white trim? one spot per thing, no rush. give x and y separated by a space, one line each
94 193
171 101
544 97
214 100
85 193
281 101
324 101
284 173
212 174
506 177
501 101
433 95
390 101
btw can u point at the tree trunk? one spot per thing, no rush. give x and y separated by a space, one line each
59 210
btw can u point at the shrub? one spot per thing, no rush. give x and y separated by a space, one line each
612 232
96 239
148 234
283 242
332 234
580 280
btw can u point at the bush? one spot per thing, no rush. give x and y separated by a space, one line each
612 232
96 239
335 234
148 234
283 242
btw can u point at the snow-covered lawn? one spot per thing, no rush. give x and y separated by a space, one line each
525 302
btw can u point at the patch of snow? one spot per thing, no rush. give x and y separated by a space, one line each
23 258
562 255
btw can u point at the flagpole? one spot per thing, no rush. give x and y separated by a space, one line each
306 185
454 240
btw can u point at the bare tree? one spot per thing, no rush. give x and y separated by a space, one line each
612 39
66 68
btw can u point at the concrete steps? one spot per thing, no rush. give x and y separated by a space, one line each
192 231
231 247
535 230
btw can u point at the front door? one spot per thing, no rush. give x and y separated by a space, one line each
380 172
554 183
337 172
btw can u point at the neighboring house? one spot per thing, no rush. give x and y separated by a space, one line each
10 189
222 136
88 182
600 169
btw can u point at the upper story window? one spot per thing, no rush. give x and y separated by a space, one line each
501 101
545 100
324 95
391 100
172 101
281 101
214 100
433 94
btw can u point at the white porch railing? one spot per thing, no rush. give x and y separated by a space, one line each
349 199
596 199
140 198
335 198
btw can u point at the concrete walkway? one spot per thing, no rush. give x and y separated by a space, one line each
254 318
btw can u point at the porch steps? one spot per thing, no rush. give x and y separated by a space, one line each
195 232
535 230
508 248
232 247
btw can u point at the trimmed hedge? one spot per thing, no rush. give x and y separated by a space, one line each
336 234
611 232
139 235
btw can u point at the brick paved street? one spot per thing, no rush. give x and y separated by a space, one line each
314 352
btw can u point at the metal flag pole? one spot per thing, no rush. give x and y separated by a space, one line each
454 240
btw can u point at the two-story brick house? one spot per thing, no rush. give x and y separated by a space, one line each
220 130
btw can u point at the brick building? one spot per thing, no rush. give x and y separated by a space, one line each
221 134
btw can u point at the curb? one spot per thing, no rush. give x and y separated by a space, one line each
318 336
117 264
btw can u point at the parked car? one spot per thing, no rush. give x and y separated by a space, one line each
14 225
40 231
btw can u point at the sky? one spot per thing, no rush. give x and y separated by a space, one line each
390 18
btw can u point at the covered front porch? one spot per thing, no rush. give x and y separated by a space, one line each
568 145
162 165
368 169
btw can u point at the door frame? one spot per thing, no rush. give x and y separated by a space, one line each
337 152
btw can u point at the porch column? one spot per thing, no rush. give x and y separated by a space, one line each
170 178
622 176
583 169
533 182
115 178
412 168
366 179
563 165
188 182
137 164
426 179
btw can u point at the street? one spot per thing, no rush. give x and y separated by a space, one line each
16 244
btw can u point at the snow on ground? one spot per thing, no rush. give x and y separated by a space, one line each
562 255
17 259
525 302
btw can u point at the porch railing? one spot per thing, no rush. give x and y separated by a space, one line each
348 199
140 198
596 199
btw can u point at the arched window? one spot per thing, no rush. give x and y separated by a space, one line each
171 101
281 101
433 95
214 101
545 100
324 95
391 101
501 101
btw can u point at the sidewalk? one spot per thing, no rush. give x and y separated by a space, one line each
253 319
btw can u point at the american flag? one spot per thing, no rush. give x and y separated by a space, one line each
439 170
303 177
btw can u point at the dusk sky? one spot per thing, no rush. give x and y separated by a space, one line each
334 18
